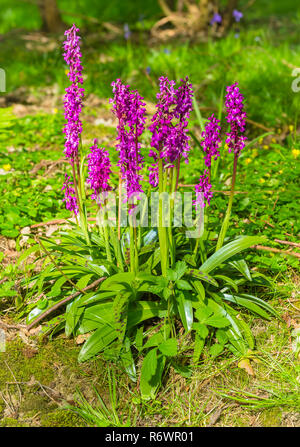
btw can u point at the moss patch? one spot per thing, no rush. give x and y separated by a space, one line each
48 375
61 418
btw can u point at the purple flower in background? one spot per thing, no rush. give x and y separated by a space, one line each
74 94
217 18
99 170
169 125
203 191
127 32
70 197
129 108
211 140
236 117
237 15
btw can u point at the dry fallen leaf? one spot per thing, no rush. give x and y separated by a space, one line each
82 338
246 365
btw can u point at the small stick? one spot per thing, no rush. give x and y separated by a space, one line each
294 244
276 250
64 301
18 386
56 221
12 326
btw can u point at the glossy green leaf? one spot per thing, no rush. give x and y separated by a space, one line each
168 347
212 317
198 348
128 363
216 349
228 281
197 274
143 310
229 250
98 341
242 267
185 309
150 383
201 329
244 302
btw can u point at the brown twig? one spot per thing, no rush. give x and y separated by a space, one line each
12 326
64 301
56 221
276 250
294 244
18 386
50 222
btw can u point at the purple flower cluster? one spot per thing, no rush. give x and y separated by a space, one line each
129 108
211 140
70 197
74 94
203 191
169 125
236 117
99 170
238 15
217 18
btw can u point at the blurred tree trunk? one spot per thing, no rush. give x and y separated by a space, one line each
52 21
231 6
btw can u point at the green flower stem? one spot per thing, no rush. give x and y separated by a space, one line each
162 234
199 241
136 253
174 173
228 212
132 248
140 230
106 239
117 248
82 213
80 194
119 205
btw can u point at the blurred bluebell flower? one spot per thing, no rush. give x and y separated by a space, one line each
127 32
237 15
167 51
216 19
148 70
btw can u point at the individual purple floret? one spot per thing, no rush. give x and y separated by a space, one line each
203 191
169 124
211 140
99 170
74 94
237 15
217 18
70 196
129 108
236 117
